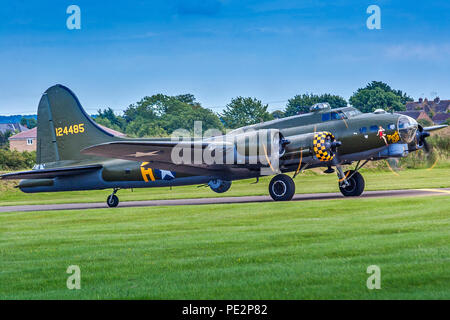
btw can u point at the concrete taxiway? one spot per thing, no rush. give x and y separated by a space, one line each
225 200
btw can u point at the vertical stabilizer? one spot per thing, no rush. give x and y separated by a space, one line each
64 128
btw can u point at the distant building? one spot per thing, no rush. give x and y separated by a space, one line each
417 115
437 109
436 106
26 140
440 118
23 141
12 127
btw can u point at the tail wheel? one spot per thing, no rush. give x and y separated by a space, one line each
112 201
355 185
219 186
282 188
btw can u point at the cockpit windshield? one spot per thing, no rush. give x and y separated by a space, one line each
352 112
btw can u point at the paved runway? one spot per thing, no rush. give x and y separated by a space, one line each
222 200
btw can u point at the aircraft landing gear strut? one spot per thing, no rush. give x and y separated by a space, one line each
113 201
351 182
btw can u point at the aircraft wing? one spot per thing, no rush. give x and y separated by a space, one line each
50 173
435 127
158 153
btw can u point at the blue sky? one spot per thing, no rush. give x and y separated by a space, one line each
219 49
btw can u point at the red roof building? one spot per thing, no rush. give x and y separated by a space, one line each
440 118
26 140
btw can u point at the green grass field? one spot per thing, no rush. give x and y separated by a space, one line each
308 182
294 250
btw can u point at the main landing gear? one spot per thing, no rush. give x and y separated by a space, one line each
282 188
351 182
113 201
354 186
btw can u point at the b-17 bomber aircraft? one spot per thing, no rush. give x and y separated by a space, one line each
74 153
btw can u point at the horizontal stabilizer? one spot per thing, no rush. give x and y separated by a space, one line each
50 173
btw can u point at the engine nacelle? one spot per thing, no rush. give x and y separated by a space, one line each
219 186
321 145
257 147
259 142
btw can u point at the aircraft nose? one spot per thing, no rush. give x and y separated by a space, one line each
407 128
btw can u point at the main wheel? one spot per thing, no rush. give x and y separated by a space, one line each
356 184
282 188
112 201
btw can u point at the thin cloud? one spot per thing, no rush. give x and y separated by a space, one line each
418 51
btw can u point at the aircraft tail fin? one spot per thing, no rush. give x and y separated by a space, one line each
64 128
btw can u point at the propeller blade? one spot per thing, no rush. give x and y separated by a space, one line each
422 139
426 146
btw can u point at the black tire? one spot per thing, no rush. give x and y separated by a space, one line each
112 201
356 186
219 186
282 188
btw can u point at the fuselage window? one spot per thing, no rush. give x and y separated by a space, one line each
326 117
363 130
373 128
391 126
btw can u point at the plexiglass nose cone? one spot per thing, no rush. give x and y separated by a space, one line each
407 128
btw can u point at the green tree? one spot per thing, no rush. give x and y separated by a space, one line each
4 142
140 127
30 123
108 119
379 95
278 114
301 103
107 123
368 100
160 115
15 160
404 98
244 111
187 98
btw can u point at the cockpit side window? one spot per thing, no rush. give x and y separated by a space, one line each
373 128
337 115
326 117
363 130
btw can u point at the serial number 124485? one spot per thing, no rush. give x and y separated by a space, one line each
74 129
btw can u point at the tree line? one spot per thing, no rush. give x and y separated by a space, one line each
160 115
